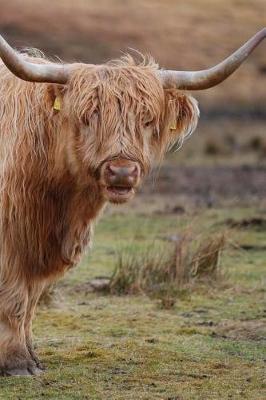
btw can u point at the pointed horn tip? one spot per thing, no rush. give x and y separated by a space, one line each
262 33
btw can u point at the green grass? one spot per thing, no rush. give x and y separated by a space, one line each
209 346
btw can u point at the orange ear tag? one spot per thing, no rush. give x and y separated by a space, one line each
57 104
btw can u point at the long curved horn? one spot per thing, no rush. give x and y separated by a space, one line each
205 79
16 63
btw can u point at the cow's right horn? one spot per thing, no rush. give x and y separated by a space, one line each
205 79
23 69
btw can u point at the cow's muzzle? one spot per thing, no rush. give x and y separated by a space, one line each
119 179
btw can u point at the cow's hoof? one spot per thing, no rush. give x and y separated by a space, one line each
36 360
21 371
40 365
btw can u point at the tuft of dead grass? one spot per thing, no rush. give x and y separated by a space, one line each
206 260
167 273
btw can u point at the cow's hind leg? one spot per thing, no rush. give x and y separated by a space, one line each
15 358
35 291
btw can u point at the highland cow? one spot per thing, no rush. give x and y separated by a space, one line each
72 138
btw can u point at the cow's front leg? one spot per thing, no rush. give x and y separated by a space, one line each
15 358
35 291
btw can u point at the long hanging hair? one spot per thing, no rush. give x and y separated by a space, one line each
31 134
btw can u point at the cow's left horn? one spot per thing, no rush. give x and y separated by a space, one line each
205 79
16 63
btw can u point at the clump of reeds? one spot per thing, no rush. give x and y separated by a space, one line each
162 272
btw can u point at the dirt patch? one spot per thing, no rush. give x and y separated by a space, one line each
256 222
210 185
252 247
98 284
243 330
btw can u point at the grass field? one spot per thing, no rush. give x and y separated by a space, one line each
211 345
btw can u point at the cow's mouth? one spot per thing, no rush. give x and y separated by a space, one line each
119 194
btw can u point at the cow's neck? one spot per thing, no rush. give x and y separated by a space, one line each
75 207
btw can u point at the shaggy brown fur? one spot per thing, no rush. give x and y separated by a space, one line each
51 161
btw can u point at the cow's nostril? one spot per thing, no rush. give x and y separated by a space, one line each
134 170
112 169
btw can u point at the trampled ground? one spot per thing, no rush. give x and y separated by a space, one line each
211 345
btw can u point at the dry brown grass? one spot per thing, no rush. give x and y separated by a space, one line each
164 273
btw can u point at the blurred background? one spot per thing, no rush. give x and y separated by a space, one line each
226 155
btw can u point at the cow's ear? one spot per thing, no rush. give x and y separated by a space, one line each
55 94
180 116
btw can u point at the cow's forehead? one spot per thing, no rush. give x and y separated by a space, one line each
119 74
136 85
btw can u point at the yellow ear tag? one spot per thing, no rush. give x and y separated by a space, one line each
173 126
57 104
